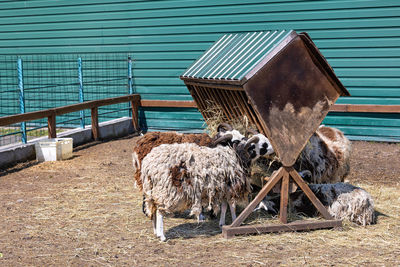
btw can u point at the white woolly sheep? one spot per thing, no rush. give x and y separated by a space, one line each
178 177
343 201
150 140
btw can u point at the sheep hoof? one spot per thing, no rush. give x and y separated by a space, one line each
201 218
163 238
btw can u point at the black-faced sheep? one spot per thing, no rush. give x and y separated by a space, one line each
177 177
343 201
326 156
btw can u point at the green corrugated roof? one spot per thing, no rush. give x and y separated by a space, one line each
235 55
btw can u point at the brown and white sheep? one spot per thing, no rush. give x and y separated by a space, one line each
153 139
177 177
326 156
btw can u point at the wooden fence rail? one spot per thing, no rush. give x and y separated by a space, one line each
93 105
136 102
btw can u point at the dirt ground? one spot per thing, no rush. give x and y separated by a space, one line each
86 212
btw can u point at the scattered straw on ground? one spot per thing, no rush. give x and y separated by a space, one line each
85 212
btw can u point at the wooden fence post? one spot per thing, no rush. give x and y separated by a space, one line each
95 123
135 103
51 125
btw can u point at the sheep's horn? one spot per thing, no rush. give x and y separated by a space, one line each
252 131
225 126
254 139
222 139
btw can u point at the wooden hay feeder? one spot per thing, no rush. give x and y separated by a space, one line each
285 87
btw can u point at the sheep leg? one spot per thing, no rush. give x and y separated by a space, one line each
232 207
201 218
223 214
154 220
160 226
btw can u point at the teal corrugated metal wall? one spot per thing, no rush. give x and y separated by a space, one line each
360 39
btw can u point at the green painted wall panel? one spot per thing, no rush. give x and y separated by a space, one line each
359 38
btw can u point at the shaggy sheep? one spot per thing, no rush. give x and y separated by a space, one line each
326 156
343 201
177 177
150 140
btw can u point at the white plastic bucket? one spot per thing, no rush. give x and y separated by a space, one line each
54 149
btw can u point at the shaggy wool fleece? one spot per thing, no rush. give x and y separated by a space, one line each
177 177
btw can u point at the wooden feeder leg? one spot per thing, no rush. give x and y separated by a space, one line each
284 197
264 191
315 201
284 174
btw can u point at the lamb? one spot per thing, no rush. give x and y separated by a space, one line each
177 177
343 201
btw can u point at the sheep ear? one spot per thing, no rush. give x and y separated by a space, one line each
223 138
251 131
223 127
252 140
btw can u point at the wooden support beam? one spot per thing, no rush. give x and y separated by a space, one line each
264 191
135 114
284 198
315 201
283 175
35 115
167 104
365 108
230 231
51 126
95 123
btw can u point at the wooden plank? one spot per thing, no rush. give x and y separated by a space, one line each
284 198
95 103
29 116
95 123
135 114
365 108
213 85
315 201
230 231
334 108
260 196
51 126
66 109
167 103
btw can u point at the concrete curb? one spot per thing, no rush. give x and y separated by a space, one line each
15 153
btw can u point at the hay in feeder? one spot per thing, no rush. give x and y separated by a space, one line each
242 124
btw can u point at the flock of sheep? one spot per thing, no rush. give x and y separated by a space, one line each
178 172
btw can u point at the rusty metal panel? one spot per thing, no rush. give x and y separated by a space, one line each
292 94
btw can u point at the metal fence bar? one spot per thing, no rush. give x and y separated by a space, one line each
21 98
49 81
130 87
81 99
